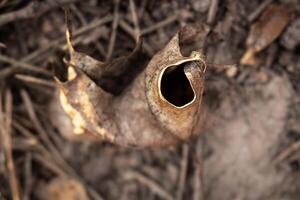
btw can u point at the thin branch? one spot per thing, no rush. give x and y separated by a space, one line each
35 80
5 133
33 9
129 30
22 64
135 20
28 176
114 31
160 24
258 10
287 152
213 9
183 171
149 183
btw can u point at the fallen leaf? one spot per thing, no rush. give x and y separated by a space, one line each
129 102
270 25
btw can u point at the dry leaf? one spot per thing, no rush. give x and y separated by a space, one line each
129 102
265 31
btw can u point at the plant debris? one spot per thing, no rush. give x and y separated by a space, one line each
97 102
245 144
263 32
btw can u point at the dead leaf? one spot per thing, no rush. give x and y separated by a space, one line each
265 31
129 102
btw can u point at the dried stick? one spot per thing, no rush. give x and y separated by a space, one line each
75 33
28 176
149 183
51 45
198 158
44 136
84 22
135 20
213 9
50 161
258 10
287 152
79 15
183 171
5 133
114 31
33 9
2 3
35 80
131 33
22 64
160 24
2 45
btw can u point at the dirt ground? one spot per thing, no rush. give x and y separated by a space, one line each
249 148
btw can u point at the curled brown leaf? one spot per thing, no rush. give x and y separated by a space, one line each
130 101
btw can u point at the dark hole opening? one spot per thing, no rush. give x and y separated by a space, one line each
175 87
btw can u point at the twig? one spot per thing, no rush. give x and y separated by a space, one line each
5 133
149 183
160 24
22 64
198 158
44 136
33 9
51 166
2 45
142 8
51 45
23 144
183 172
213 9
51 160
84 22
2 3
135 20
35 80
287 152
28 176
75 33
114 31
78 14
131 33
258 10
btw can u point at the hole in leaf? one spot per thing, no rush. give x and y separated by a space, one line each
175 87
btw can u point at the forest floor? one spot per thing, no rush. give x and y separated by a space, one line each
249 150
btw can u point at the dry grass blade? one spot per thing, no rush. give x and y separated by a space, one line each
5 133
